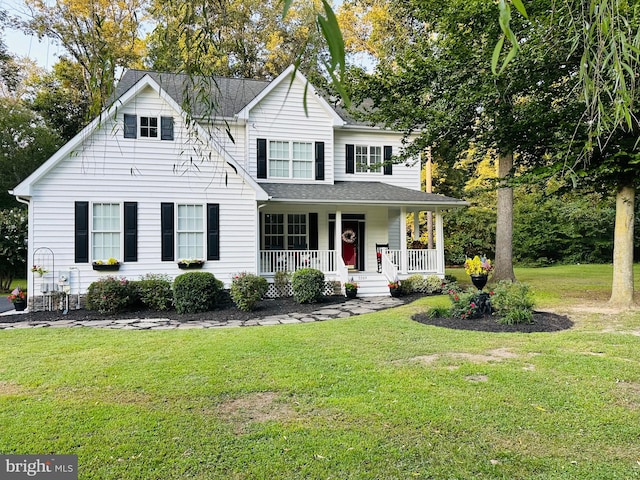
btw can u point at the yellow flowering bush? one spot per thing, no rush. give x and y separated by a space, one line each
477 266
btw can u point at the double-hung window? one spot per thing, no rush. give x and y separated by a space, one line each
106 230
368 158
290 159
190 232
288 230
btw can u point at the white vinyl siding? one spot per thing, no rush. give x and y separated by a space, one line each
290 159
106 231
190 232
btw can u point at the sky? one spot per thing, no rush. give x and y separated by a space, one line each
45 52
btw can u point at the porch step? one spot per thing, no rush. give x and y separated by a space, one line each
370 284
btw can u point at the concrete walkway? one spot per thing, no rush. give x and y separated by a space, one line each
349 308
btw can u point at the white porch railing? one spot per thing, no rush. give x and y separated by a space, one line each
272 261
389 267
418 261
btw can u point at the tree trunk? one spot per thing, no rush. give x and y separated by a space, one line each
622 286
504 224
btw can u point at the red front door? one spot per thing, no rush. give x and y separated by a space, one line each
350 244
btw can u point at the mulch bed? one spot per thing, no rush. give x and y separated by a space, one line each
542 322
225 312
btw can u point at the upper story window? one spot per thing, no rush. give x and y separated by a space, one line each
368 159
148 127
290 159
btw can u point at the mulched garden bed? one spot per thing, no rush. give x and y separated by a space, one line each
225 312
542 322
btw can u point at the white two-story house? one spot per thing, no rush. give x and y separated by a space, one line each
277 179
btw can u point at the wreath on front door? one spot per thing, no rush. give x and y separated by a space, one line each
349 236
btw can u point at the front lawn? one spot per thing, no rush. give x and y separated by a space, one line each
377 396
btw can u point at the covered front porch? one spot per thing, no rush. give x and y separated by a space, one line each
366 240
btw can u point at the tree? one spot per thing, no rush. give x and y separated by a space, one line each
102 36
25 143
236 38
444 90
60 98
13 246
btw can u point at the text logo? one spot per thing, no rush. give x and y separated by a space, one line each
39 467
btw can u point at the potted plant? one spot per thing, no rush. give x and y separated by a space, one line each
478 269
18 297
39 270
351 289
110 265
394 288
190 263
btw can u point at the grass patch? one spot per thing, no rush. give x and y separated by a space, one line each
377 396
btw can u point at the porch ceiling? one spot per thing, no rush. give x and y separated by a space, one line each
360 193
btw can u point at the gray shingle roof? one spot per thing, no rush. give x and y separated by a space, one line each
373 193
227 95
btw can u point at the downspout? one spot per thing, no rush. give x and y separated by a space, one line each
26 201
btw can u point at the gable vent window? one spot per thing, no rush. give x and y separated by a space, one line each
148 127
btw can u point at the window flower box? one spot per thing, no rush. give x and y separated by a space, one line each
111 265
190 264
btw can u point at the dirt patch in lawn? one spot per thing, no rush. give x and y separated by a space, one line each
542 322
10 389
255 407
496 355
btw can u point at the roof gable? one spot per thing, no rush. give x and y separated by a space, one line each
128 94
297 76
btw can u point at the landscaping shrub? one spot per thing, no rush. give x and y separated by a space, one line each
111 295
308 285
465 304
155 292
420 284
196 292
248 289
512 302
281 282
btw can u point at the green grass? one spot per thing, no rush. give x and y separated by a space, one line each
377 396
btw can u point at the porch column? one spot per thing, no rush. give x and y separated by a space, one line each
416 225
439 243
337 241
403 240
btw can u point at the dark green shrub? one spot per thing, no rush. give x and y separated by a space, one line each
512 302
248 289
155 292
281 282
195 292
308 285
111 295
465 304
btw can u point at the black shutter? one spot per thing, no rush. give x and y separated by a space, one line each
130 231
166 229
319 160
350 159
262 158
313 231
81 232
166 128
130 126
388 166
213 231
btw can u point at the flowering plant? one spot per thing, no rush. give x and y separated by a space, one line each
39 269
17 295
394 284
111 261
348 286
477 266
191 261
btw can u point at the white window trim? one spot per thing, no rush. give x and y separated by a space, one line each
92 230
291 160
177 231
380 170
158 127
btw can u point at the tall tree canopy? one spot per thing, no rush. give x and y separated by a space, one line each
102 36
237 38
